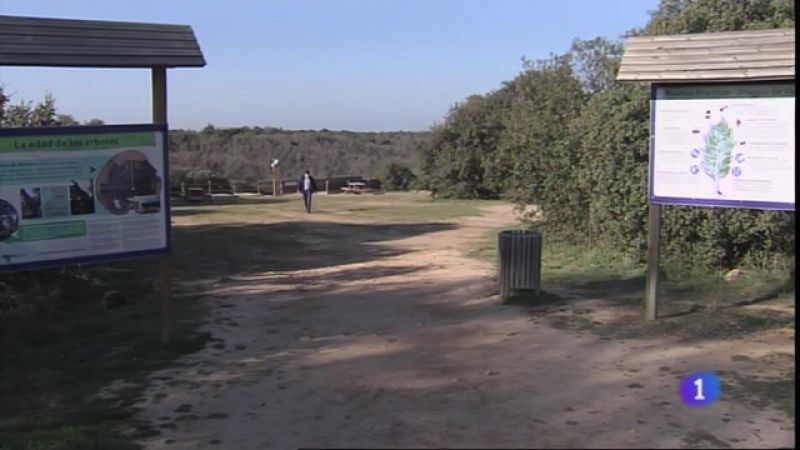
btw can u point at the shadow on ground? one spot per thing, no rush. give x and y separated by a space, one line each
437 367
219 201
214 251
689 310
544 299
612 284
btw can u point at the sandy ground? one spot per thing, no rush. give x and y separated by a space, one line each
412 348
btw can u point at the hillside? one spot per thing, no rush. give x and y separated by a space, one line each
245 153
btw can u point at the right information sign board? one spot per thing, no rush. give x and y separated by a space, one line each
729 145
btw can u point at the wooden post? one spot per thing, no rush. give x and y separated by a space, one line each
159 87
653 257
327 186
274 182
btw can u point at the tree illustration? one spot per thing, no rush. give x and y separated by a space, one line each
718 152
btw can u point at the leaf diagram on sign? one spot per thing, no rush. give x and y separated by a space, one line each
718 152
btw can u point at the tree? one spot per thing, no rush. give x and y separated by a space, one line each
397 177
26 114
596 62
459 161
611 136
710 237
548 96
3 102
564 136
245 153
703 16
66 120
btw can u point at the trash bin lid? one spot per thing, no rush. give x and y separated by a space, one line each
519 232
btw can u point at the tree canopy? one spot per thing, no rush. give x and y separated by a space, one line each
565 137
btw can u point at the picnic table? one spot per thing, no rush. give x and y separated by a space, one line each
356 187
195 194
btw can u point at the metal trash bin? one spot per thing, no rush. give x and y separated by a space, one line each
520 261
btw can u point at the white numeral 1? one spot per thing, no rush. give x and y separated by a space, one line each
699 383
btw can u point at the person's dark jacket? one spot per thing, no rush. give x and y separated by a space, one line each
300 184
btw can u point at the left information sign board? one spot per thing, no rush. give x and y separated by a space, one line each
82 194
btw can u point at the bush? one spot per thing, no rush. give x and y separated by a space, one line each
611 135
397 177
564 137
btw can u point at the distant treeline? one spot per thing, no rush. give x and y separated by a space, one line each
565 139
245 153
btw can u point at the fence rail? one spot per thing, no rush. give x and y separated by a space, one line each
265 187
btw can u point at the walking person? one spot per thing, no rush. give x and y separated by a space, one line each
307 186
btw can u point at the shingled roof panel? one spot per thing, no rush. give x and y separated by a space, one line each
727 56
29 41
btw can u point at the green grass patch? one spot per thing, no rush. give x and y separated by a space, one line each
393 207
485 247
66 437
761 392
52 363
585 266
401 207
562 263
699 324
693 305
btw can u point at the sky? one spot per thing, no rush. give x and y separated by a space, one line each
359 65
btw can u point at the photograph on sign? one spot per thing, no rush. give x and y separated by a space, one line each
81 194
724 145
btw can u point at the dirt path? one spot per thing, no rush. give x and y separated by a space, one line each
410 348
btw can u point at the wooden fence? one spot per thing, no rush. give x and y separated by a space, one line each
265 187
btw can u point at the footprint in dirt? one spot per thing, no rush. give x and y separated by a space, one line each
184 408
703 439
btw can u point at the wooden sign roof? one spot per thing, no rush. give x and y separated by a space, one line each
31 41
727 56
